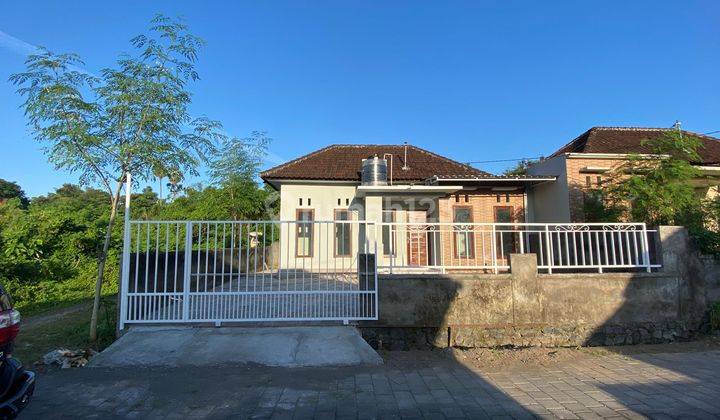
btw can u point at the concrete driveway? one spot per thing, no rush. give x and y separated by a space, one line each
238 346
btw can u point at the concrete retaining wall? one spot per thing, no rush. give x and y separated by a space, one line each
530 309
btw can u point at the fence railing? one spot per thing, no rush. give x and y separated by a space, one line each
222 271
487 246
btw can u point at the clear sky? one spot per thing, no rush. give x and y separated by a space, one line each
476 80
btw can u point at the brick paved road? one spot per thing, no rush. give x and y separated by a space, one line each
650 385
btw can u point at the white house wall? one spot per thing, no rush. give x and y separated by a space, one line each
550 202
323 201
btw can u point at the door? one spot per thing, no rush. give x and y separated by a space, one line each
417 243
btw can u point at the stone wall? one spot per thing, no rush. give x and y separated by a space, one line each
525 308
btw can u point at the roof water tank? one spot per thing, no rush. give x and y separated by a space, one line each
374 171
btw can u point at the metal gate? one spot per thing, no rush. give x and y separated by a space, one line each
239 271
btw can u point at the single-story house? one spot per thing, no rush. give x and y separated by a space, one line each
428 210
584 162
419 190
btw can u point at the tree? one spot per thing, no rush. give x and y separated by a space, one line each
658 189
597 209
144 204
10 190
234 169
521 168
133 119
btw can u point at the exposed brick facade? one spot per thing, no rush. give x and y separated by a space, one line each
578 181
483 209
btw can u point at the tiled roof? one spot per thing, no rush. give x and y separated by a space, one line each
628 140
342 162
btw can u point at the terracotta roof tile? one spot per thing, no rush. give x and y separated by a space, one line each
341 162
629 140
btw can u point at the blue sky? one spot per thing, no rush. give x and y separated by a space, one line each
476 81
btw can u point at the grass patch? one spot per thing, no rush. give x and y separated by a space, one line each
67 331
34 298
715 316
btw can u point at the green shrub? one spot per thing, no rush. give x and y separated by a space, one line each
49 249
715 317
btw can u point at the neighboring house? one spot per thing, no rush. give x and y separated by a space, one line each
584 163
424 191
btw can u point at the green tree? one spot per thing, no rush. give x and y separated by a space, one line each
521 168
597 208
49 251
146 204
234 169
133 119
658 189
9 190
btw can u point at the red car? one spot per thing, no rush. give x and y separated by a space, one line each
16 384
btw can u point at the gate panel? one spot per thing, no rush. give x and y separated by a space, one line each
208 271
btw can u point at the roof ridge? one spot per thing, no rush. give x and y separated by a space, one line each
637 128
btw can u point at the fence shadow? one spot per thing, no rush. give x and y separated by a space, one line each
618 309
676 381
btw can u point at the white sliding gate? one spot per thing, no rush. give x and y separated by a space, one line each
239 271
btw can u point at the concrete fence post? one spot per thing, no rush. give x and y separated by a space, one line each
679 257
526 293
673 247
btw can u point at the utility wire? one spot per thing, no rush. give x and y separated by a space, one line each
538 157
504 160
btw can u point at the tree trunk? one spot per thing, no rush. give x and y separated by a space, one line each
101 262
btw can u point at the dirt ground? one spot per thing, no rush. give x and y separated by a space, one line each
493 359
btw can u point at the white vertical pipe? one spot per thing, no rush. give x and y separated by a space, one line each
186 271
125 278
645 248
548 241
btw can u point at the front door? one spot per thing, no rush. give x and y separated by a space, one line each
417 245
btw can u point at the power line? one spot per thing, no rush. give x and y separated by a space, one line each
504 160
538 157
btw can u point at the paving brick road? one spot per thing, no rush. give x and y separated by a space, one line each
666 385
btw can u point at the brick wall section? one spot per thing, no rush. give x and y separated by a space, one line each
483 206
577 182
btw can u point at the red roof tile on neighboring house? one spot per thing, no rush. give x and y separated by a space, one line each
628 140
342 162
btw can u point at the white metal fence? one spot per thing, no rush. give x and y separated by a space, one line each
233 271
487 246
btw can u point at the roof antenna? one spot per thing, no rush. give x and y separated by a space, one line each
405 166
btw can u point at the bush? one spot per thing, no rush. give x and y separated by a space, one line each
715 317
49 250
